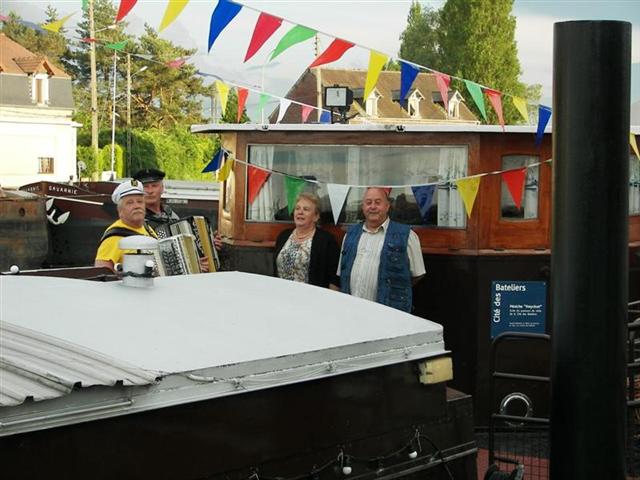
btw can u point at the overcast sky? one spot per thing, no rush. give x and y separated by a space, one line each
367 23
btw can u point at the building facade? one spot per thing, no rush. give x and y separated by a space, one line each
37 132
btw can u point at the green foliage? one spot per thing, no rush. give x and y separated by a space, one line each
419 40
118 160
231 114
86 155
474 40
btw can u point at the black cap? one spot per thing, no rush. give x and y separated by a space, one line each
148 175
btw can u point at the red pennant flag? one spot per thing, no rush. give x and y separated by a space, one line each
443 81
265 27
332 53
88 40
306 110
177 63
243 93
515 183
257 177
124 9
495 98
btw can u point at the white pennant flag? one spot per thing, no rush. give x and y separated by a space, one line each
284 105
337 196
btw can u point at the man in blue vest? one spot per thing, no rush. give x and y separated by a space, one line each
381 260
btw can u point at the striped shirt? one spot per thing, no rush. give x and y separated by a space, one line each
364 274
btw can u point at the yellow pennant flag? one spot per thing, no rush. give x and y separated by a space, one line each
376 62
222 174
634 145
521 105
171 13
468 190
57 25
223 95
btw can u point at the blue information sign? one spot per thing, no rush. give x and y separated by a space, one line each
518 307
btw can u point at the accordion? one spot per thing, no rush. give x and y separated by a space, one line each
198 226
177 255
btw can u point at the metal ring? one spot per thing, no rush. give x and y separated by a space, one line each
510 398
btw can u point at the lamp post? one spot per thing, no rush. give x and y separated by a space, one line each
129 76
113 117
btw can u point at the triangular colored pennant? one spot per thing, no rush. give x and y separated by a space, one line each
424 196
144 56
332 53
294 36
476 93
85 4
387 190
306 110
376 64
117 45
443 81
223 94
544 114
514 179
408 74
225 170
325 117
495 98
171 13
262 103
177 63
4 18
634 145
243 93
124 8
293 187
57 25
521 105
224 12
214 164
266 25
88 40
337 196
284 105
256 178
468 190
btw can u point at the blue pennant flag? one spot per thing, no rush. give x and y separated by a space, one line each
325 117
224 12
544 114
215 163
424 196
408 74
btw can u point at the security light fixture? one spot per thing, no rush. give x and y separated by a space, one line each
340 99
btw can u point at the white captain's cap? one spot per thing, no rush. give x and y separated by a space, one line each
128 187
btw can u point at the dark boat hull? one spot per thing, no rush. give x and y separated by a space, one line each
278 432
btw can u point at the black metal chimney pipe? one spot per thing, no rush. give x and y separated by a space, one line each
591 89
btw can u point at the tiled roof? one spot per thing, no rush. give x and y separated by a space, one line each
14 58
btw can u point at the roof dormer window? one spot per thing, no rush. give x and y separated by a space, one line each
40 89
454 105
413 104
372 103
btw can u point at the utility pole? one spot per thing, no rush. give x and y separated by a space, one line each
113 117
318 79
94 84
128 169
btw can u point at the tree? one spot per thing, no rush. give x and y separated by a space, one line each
419 40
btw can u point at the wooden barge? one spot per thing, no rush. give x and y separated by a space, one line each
465 257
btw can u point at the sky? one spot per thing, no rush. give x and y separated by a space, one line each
370 24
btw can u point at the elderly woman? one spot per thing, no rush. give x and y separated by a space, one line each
307 253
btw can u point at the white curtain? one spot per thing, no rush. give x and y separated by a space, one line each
634 186
530 200
264 206
453 165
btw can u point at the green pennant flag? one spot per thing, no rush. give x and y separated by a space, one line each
296 35
263 101
293 187
117 45
476 92
85 4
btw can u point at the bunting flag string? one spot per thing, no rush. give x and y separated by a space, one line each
468 190
222 15
634 145
337 196
174 8
242 93
223 173
305 111
443 81
496 102
293 187
297 34
223 94
124 8
215 162
377 62
256 178
544 114
408 74
476 93
521 105
424 196
333 52
284 105
514 179
266 25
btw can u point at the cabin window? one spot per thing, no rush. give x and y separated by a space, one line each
634 186
360 166
529 200
45 164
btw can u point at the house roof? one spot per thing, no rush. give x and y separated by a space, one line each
14 58
388 86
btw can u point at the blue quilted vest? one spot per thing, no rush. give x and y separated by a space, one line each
394 276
